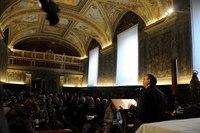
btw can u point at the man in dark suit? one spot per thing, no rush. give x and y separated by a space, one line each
151 102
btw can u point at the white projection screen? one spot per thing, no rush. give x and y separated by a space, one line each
195 18
127 57
93 66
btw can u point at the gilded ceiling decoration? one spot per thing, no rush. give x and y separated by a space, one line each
80 20
69 2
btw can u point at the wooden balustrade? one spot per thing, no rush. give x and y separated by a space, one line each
45 60
45 56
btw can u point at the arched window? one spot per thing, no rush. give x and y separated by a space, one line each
127 57
93 66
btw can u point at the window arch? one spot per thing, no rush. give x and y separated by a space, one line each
126 38
93 64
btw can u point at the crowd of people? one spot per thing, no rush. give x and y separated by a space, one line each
29 111
42 111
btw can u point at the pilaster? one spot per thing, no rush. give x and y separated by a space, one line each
1 35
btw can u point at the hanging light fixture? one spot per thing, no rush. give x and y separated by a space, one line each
51 9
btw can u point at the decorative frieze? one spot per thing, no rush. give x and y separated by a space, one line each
17 77
71 80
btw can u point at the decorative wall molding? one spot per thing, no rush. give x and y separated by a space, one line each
71 80
107 50
17 77
161 24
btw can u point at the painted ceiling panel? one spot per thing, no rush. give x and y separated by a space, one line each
112 12
53 29
63 21
94 14
24 4
30 18
80 20
82 27
69 2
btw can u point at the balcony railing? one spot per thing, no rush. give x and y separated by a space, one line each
45 60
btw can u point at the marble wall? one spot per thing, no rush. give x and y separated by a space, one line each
107 67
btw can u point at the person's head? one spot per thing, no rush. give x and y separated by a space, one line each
195 79
112 106
149 80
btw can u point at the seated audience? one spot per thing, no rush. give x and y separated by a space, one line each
3 121
113 119
79 111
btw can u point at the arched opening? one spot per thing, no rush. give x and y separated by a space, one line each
93 63
126 41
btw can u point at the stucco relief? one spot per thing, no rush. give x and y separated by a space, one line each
27 4
69 2
112 12
53 29
28 79
24 33
153 3
85 28
20 28
19 6
64 21
120 1
28 32
71 79
81 36
29 18
62 80
18 76
21 24
84 39
17 27
94 14
72 38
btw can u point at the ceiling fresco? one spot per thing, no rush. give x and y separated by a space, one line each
80 20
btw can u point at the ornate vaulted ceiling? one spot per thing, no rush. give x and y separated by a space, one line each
80 20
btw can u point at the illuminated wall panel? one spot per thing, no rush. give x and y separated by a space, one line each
93 66
127 57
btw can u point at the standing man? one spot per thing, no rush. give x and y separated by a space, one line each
151 104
